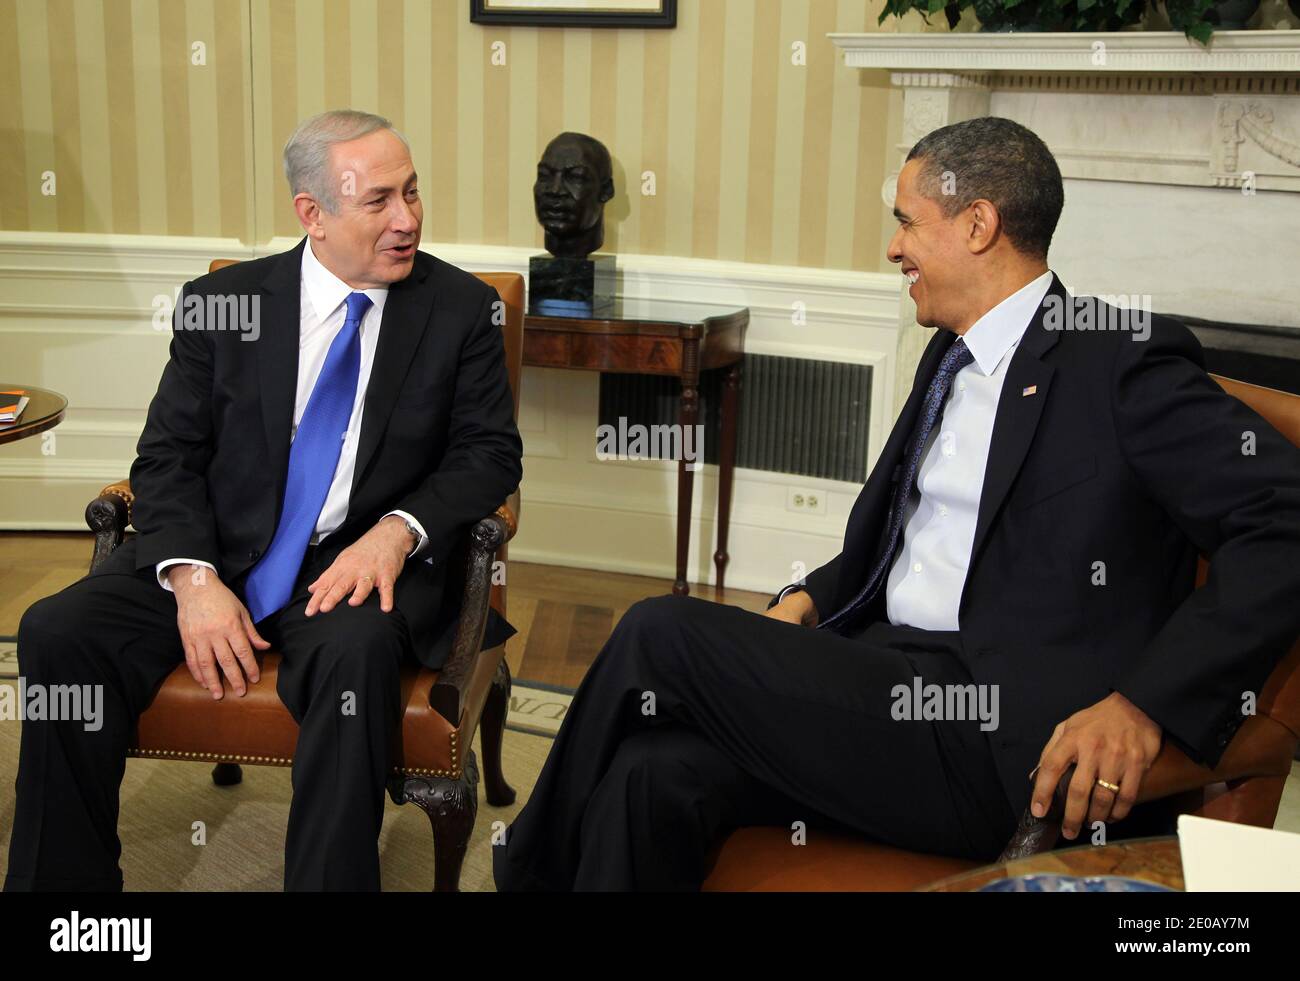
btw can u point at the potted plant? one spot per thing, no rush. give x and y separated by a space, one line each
1195 18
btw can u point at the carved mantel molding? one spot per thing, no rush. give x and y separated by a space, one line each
1144 106
1118 51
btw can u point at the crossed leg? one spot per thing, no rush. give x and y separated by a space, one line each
698 717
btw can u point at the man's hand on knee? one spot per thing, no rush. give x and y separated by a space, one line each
796 608
216 630
374 560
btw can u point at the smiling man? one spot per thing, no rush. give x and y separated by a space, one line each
1027 538
304 491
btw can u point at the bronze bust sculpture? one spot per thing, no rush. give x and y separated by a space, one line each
575 178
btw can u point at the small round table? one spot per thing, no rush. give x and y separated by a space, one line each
1155 860
45 410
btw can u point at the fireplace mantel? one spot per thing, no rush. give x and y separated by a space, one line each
1172 154
1145 106
1102 52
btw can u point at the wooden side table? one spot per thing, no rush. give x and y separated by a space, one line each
649 337
1155 860
45 410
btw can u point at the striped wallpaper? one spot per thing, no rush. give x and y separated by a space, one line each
755 158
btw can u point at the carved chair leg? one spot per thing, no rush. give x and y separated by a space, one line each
492 727
227 774
451 806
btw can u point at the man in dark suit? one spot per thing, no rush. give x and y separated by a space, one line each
1014 590
302 476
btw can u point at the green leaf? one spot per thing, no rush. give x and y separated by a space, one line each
1201 31
934 6
1085 4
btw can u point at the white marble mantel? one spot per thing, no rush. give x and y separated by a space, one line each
1181 163
1119 51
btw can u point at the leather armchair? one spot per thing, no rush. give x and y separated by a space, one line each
435 767
1246 786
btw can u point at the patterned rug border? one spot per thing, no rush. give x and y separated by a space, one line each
525 683
7 673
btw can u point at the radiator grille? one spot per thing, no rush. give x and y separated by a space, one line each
797 416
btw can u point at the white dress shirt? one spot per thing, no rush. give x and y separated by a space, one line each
321 312
929 572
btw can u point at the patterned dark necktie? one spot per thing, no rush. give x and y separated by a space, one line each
313 458
957 357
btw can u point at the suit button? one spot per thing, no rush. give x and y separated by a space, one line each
254 555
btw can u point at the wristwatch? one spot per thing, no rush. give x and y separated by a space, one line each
414 532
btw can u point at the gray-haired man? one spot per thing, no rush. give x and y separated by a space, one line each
258 525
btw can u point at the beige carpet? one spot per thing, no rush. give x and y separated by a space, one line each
245 824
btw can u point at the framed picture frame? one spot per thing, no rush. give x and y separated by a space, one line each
575 13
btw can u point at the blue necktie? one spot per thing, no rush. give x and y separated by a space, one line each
957 357
313 458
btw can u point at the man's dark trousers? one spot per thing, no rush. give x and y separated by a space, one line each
697 718
338 677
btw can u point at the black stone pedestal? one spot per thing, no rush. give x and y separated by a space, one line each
560 286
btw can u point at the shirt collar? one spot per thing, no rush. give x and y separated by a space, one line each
999 330
325 291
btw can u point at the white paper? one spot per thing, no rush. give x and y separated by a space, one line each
1219 856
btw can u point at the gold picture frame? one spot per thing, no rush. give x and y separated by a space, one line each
575 13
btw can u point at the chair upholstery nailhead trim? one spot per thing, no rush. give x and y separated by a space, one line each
127 496
177 754
454 773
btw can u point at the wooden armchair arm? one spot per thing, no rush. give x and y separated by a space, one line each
1034 835
1261 748
448 695
1171 773
107 516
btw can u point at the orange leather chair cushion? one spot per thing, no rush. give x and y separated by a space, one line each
186 723
765 860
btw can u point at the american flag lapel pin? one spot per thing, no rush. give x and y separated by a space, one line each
1026 392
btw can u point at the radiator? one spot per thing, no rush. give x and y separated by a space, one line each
797 416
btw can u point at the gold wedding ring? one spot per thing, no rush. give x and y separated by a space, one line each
1113 788
368 578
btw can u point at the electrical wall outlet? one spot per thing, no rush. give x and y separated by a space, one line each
803 501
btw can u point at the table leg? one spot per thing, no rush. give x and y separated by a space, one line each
726 469
687 416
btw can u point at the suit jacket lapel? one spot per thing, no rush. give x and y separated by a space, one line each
406 317
1017 416
277 358
867 523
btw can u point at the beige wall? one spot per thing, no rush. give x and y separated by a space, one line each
756 159
140 141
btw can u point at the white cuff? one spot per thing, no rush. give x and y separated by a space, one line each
424 539
166 564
